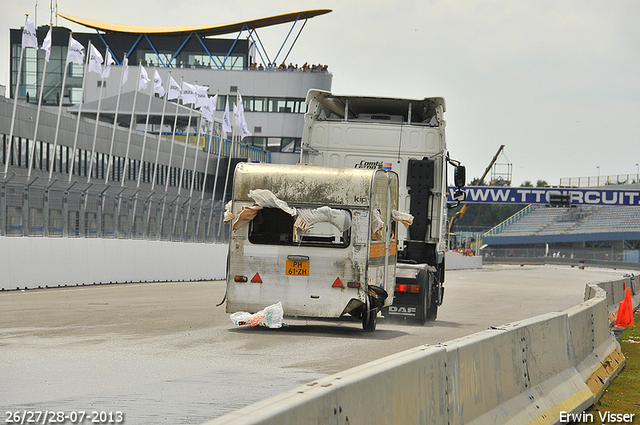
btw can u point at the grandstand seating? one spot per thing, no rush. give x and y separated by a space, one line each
543 220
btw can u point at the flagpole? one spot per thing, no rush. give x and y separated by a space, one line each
215 179
75 139
9 150
195 160
95 131
131 123
184 157
115 122
164 108
206 167
186 145
155 166
144 144
193 174
226 179
35 133
144 138
64 81
206 170
173 137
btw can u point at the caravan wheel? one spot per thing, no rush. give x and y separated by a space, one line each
369 317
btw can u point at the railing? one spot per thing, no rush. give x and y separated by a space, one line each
600 180
510 220
60 210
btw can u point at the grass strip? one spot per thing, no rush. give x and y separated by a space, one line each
623 394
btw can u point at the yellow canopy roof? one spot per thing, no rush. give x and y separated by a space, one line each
206 30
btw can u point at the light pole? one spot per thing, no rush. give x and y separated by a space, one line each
598 167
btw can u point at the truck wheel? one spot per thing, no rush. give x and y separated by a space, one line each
432 306
424 311
369 317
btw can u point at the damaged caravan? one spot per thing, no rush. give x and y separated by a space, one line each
320 240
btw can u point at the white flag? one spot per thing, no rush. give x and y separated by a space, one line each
125 71
75 53
144 79
236 115
29 38
157 84
244 130
188 93
226 123
207 111
174 89
107 68
95 60
240 109
201 96
213 103
46 45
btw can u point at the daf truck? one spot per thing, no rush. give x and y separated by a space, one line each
406 136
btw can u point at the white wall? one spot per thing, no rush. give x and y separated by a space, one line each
457 261
41 262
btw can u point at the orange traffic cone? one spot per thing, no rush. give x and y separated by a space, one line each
625 311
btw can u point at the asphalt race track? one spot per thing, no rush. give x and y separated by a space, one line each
164 353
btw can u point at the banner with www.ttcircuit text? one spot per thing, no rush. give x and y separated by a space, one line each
530 195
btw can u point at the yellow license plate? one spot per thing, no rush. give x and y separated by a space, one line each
297 268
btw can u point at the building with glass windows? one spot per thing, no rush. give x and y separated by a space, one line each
274 98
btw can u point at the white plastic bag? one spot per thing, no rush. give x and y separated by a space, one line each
377 226
265 198
310 216
271 317
402 217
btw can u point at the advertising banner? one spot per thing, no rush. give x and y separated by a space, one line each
531 195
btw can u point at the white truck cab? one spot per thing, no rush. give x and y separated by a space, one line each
408 137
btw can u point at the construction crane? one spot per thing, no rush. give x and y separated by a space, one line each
460 213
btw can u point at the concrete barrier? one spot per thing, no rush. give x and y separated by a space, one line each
519 372
50 262
375 393
532 371
596 355
457 261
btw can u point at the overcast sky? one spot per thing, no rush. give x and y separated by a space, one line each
557 82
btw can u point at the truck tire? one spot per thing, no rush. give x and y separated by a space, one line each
421 318
432 308
434 290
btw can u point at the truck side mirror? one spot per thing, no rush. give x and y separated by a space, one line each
460 176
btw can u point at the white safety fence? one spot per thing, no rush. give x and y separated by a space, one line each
51 262
531 371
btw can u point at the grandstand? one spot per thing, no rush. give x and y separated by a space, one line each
593 232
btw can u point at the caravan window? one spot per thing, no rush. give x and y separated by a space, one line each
272 226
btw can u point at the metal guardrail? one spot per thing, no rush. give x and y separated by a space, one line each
63 210
510 220
600 180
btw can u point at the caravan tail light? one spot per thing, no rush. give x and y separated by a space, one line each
239 278
413 289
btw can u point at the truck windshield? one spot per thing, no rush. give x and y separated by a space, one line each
273 226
